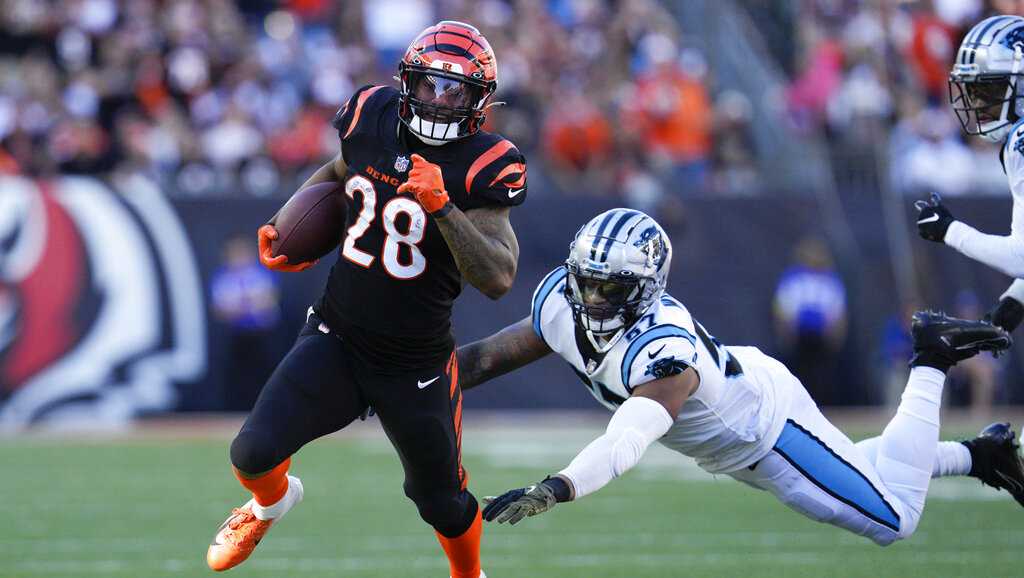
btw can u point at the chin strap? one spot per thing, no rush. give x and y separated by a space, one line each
607 344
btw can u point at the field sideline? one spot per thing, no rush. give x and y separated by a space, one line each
145 503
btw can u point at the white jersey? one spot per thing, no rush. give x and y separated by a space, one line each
1015 175
1012 156
733 418
1005 253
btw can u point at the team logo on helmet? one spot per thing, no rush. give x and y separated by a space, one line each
448 76
650 243
101 308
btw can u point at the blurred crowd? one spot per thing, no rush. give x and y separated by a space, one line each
608 96
231 97
869 73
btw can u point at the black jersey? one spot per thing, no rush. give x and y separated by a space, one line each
390 293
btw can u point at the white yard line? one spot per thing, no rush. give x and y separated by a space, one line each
339 564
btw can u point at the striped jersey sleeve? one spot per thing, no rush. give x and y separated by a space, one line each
550 287
661 351
348 118
497 176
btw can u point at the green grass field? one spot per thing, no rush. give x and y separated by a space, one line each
146 507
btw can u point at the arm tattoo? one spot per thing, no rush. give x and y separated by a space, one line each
484 246
507 350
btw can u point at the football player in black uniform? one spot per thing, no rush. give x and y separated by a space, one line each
428 196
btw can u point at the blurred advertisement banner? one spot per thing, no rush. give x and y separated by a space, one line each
101 306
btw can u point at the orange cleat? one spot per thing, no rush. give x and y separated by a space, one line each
236 538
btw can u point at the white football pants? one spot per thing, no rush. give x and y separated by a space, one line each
816 470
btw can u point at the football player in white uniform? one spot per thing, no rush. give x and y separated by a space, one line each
988 98
734 409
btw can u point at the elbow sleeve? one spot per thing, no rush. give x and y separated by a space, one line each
627 451
633 428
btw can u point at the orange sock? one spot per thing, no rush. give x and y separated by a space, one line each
464 551
269 488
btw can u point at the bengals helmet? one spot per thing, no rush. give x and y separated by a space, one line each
448 75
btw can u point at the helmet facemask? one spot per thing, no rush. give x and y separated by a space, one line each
605 305
985 107
439 106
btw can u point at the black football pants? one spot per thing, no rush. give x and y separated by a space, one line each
320 387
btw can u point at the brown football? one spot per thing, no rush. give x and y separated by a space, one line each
310 224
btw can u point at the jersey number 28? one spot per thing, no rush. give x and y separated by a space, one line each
393 237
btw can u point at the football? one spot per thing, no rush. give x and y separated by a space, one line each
310 224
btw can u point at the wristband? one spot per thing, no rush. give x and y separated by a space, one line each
559 487
444 210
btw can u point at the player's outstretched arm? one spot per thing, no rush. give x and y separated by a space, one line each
1004 253
645 417
936 223
507 350
481 240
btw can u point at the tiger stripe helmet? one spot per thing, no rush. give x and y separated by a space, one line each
448 76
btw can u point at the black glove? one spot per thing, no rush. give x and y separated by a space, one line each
933 219
1008 314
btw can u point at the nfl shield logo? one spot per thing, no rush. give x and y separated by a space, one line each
401 164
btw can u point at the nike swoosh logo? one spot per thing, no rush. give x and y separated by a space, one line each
930 219
422 384
512 194
216 537
655 354
1014 485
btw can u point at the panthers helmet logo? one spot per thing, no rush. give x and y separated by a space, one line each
650 242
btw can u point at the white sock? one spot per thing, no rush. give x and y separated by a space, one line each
952 459
280 508
908 445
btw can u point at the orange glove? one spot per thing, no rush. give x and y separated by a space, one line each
268 233
427 185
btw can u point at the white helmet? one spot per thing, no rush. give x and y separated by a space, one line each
983 85
617 268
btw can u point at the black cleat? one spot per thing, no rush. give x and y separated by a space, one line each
995 460
941 341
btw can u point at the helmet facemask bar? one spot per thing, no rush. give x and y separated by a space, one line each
606 305
984 107
440 107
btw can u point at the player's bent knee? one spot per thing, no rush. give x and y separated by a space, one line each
451 514
887 536
254 452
